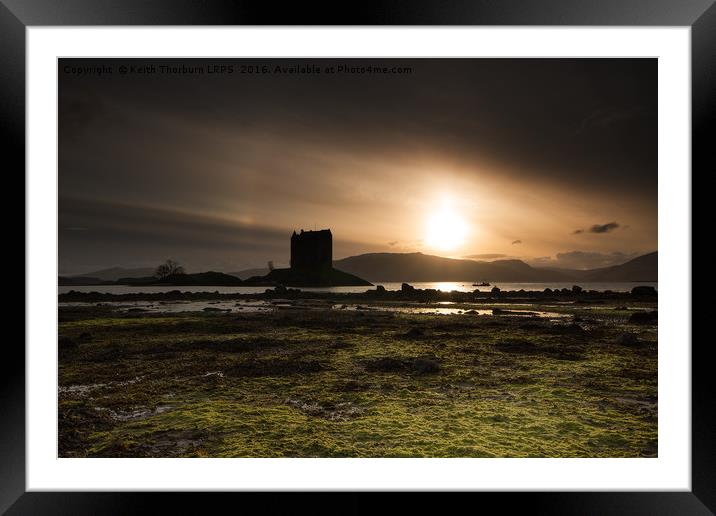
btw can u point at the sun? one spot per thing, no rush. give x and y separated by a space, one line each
445 229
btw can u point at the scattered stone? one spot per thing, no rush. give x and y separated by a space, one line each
384 364
417 365
524 347
273 367
516 346
414 333
352 386
627 339
326 409
425 366
573 328
532 326
644 317
66 343
643 290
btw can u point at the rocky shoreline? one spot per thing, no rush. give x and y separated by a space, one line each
407 293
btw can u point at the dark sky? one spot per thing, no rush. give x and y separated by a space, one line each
550 160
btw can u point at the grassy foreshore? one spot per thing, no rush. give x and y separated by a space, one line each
313 380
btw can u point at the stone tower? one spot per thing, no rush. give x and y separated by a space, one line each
312 250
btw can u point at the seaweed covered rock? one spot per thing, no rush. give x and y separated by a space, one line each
415 365
643 290
627 339
644 317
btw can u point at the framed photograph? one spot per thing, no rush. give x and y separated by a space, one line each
425 248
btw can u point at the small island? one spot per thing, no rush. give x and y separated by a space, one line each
311 265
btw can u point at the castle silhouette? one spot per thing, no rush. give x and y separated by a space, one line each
312 250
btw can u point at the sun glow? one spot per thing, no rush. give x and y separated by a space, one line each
445 229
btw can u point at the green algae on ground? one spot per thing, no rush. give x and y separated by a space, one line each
336 383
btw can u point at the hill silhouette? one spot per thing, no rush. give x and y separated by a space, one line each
416 267
115 273
322 277
424 267
203 279
642 268
78 281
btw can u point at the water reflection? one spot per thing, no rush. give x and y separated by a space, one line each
440 308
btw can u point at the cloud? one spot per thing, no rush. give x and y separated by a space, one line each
600 228
138 235
603 228
516 242
486 256
582 260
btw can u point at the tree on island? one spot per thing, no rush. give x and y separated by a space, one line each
168 268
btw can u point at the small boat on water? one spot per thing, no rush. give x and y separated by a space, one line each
482 284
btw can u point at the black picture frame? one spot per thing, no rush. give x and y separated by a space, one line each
17 15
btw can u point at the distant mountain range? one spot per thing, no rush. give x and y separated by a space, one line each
415 267
200 279
393 267
78 281
377 267
115 273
